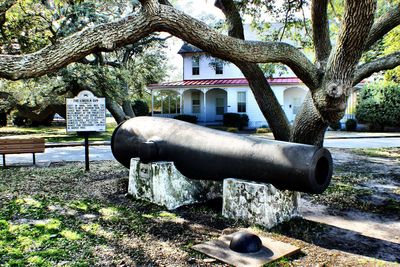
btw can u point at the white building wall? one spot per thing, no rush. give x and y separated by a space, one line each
230 70
256 118
206 71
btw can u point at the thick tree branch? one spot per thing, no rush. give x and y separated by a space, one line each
106 37
382 26
150 6
309 126
385 63
356 25
320 25
233 18
259 85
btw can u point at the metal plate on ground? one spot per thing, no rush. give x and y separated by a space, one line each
271 251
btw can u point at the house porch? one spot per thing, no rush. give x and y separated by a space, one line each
207 104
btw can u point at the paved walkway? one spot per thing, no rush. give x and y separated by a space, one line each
74 153
102 151
363 142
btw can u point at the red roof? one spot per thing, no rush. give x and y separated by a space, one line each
210 82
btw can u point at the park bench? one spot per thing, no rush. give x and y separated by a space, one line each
19 145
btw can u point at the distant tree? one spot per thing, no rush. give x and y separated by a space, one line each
118 75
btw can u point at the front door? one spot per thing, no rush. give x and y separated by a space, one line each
219 108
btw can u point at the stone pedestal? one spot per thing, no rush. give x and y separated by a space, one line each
161 183
258 203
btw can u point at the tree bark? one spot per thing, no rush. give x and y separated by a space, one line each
329 100
127 108
384 63
265 97
309 126
116 111
321 35
383 25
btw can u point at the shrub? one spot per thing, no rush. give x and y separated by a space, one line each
351 125
262 130
235 120
187 118
140 107
20 120
336 126
232 130
3 119
379 105
244 121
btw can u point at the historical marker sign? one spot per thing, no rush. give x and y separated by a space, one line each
86 113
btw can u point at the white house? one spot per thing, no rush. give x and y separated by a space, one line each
211 88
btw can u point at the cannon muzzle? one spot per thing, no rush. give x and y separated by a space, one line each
207 154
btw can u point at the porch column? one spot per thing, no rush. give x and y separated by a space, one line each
162 103
181 101
169 104
176 104
205 103
152 102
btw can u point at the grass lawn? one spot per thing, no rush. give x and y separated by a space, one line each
393 152
57 133
62 216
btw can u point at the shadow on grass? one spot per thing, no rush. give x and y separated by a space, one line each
331 237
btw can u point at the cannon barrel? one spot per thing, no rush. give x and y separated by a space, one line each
207 154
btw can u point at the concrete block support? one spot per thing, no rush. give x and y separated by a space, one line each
161 183
258 203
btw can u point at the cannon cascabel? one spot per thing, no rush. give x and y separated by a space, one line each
207 154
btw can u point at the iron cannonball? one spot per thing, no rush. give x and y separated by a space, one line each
245 242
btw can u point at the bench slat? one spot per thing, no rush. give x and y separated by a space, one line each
20 140
21 145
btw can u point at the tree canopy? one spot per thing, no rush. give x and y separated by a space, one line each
113 75
336 67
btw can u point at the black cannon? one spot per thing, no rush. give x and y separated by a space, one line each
208 154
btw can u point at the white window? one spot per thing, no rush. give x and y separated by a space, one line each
219 67
195 65
195 102
241 102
